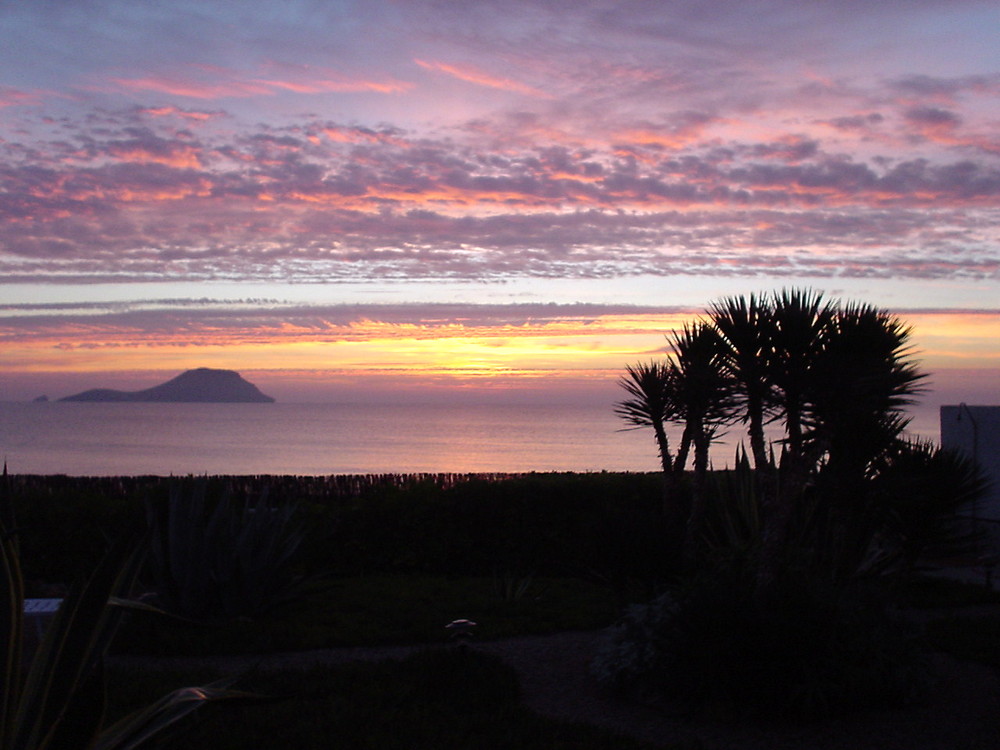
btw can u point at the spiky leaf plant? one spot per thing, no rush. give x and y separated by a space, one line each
223 561
929 495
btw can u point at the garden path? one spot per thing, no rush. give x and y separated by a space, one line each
555 678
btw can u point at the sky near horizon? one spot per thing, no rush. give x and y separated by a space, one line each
345 200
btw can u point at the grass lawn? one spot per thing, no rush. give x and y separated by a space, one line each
386 610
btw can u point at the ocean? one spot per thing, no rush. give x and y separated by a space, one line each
105 439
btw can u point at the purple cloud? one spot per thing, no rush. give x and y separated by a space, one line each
676 138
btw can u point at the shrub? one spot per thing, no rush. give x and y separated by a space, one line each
928 492
972 637
65 524
802 653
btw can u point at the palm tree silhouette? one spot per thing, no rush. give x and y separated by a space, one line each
703 393
651 403
864 378
800 322
744 325
838 377
650 386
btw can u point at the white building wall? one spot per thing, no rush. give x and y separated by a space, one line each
975 430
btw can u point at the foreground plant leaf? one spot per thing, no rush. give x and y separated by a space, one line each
59 704
136 728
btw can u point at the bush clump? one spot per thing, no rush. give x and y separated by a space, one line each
802 652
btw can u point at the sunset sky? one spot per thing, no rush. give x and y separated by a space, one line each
350 200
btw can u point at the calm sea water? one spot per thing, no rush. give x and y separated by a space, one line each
82 439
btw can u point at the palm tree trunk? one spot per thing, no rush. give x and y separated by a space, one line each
687 438
758 447
696 518
663 445
671 510
782 492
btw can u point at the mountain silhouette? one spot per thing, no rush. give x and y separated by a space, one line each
202 385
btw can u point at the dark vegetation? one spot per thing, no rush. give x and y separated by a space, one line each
791 565
602 527
286 563
534 553
524 561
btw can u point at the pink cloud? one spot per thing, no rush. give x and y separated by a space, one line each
481 78
215 82
131 195
945 127
922 89
342 85
194 89
354 134
11 97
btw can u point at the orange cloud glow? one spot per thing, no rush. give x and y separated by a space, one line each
437 351
958 339
560 346
338 85
177 112
182 158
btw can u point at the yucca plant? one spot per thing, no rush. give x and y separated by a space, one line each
57 700
219 562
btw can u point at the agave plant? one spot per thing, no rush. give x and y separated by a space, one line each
56 702
217 563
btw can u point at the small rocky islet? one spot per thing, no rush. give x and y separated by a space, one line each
204 385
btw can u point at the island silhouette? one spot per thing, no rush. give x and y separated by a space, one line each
203 384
